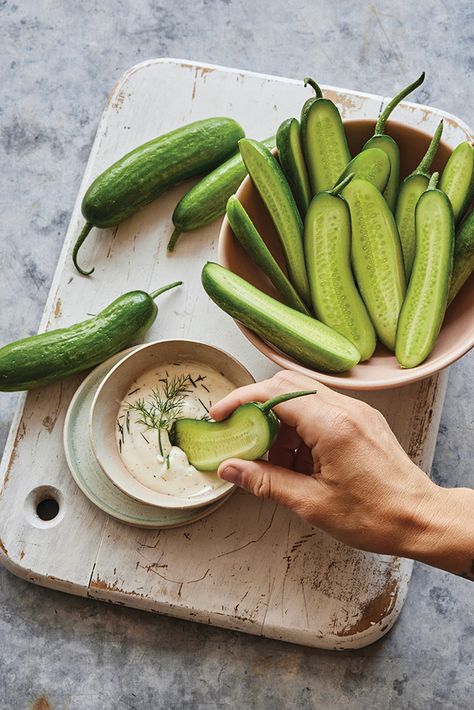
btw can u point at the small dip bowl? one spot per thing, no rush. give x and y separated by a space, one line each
114 388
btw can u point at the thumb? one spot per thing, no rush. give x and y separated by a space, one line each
266 480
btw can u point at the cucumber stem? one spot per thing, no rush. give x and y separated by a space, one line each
161 290
316 87
82 236
279 399
174 238
433 182
382 120
341 185
428 158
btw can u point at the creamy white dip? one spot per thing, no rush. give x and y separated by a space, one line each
139 446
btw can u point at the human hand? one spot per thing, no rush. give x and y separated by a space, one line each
360 486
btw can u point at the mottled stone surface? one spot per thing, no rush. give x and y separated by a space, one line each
58 62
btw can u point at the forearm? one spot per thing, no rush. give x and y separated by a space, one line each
443 532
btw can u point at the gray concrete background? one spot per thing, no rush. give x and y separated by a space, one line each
58 60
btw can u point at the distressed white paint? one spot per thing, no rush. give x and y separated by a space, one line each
249 566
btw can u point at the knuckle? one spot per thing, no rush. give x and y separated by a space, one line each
261 484
282 381
345 426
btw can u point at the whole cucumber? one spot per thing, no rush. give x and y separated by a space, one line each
371 164
275 192
207 200
424 307
336 300
290 153
149 170
376 257
304 338
463 263
51 356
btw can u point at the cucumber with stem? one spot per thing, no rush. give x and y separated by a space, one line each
290 152
51 356
376 257
410 192
305 339
248 433
457 180
206 201
268 178
336 300
249 238
463 260
323 139
388 145
146 172
424 307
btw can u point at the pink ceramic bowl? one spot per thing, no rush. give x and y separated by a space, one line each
382 371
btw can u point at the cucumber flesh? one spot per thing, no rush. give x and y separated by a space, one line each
457 180
376 257
305 339
371 164
336 300
424 307
249 238
391 149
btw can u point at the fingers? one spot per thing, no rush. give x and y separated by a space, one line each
283 450
266 480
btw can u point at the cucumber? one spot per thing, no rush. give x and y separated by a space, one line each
51 356
288 141
371 164
425 304
149 170
457 180
388 145
336 300
410 192
207 200
249 238
376 257
306 339
324 140
275 192
463 262
247 434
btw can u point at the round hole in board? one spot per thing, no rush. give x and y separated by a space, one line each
44 506
47 509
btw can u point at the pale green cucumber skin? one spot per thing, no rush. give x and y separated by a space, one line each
247 434
389 146
457 180
250 239
376 258
150 169
410 192
290 151
336 300
268 178
206 201
463 260
370 164
324 143
425 304
304 338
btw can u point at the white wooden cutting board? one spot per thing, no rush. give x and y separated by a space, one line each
251 565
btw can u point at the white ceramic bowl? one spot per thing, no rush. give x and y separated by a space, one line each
104 409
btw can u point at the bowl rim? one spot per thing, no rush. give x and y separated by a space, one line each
343 381
151 497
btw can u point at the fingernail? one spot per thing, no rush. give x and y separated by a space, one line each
231 474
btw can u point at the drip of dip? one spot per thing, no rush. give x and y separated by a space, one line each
139 445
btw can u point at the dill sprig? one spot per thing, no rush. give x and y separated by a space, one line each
164 405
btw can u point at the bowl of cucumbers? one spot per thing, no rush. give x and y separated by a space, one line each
347 253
